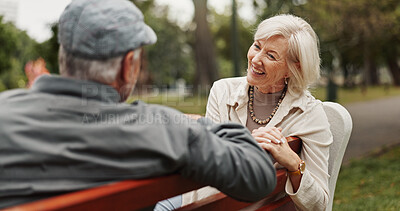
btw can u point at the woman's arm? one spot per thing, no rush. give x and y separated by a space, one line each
310 190
314 131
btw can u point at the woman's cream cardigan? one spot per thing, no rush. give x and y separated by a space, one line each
302 116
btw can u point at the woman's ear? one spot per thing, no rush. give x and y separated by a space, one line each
298 66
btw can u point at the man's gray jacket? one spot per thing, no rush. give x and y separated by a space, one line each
64 135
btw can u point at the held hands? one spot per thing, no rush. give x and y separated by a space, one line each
272 140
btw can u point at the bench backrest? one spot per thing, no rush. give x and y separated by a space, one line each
341 127
141 194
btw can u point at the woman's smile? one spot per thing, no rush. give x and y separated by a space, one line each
256 72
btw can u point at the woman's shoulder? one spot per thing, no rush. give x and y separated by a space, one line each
313 106
310 99
233 83
304 100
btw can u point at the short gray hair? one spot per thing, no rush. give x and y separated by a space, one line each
103 71
303 48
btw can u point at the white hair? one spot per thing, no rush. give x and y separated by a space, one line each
103 71
303 48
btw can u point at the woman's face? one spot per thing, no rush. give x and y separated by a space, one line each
267 67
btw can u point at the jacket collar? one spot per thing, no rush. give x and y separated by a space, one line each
88 90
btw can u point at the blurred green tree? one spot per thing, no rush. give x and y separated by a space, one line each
363 33
356 36
48 50
171 57
8 43
221 29
16 49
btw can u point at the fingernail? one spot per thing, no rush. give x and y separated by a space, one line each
283 140
277 141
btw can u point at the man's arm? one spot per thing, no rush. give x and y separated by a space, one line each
227 157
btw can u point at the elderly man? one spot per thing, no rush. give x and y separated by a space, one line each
72 132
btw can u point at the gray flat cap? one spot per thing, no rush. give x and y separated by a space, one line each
101 29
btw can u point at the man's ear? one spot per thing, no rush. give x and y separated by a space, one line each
137 63
127 66
131 66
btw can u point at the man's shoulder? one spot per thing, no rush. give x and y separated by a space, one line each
9 94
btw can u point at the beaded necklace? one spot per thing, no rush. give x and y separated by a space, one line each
251 108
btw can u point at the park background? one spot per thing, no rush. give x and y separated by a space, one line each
201 41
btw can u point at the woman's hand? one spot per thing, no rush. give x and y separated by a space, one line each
272 140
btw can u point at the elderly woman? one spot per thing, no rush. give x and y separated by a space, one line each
273 102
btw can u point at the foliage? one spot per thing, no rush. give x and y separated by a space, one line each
8 41
16 49
48 50
371 183
221 28
358 32
356 36
171 57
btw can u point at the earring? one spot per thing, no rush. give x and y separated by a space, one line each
286 81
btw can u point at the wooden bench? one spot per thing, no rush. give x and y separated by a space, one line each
144 194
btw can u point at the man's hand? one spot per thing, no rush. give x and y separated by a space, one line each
34 69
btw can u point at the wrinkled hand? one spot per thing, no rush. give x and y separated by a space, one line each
272 140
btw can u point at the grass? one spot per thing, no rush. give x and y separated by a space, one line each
189 105
346 95
197 104
370 183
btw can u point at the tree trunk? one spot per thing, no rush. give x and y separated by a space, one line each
370 68
206 65
373 71
394 68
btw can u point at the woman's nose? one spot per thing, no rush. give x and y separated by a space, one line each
257 59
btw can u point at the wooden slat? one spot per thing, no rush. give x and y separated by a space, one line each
125 195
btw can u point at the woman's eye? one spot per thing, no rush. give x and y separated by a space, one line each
257 46
271 56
